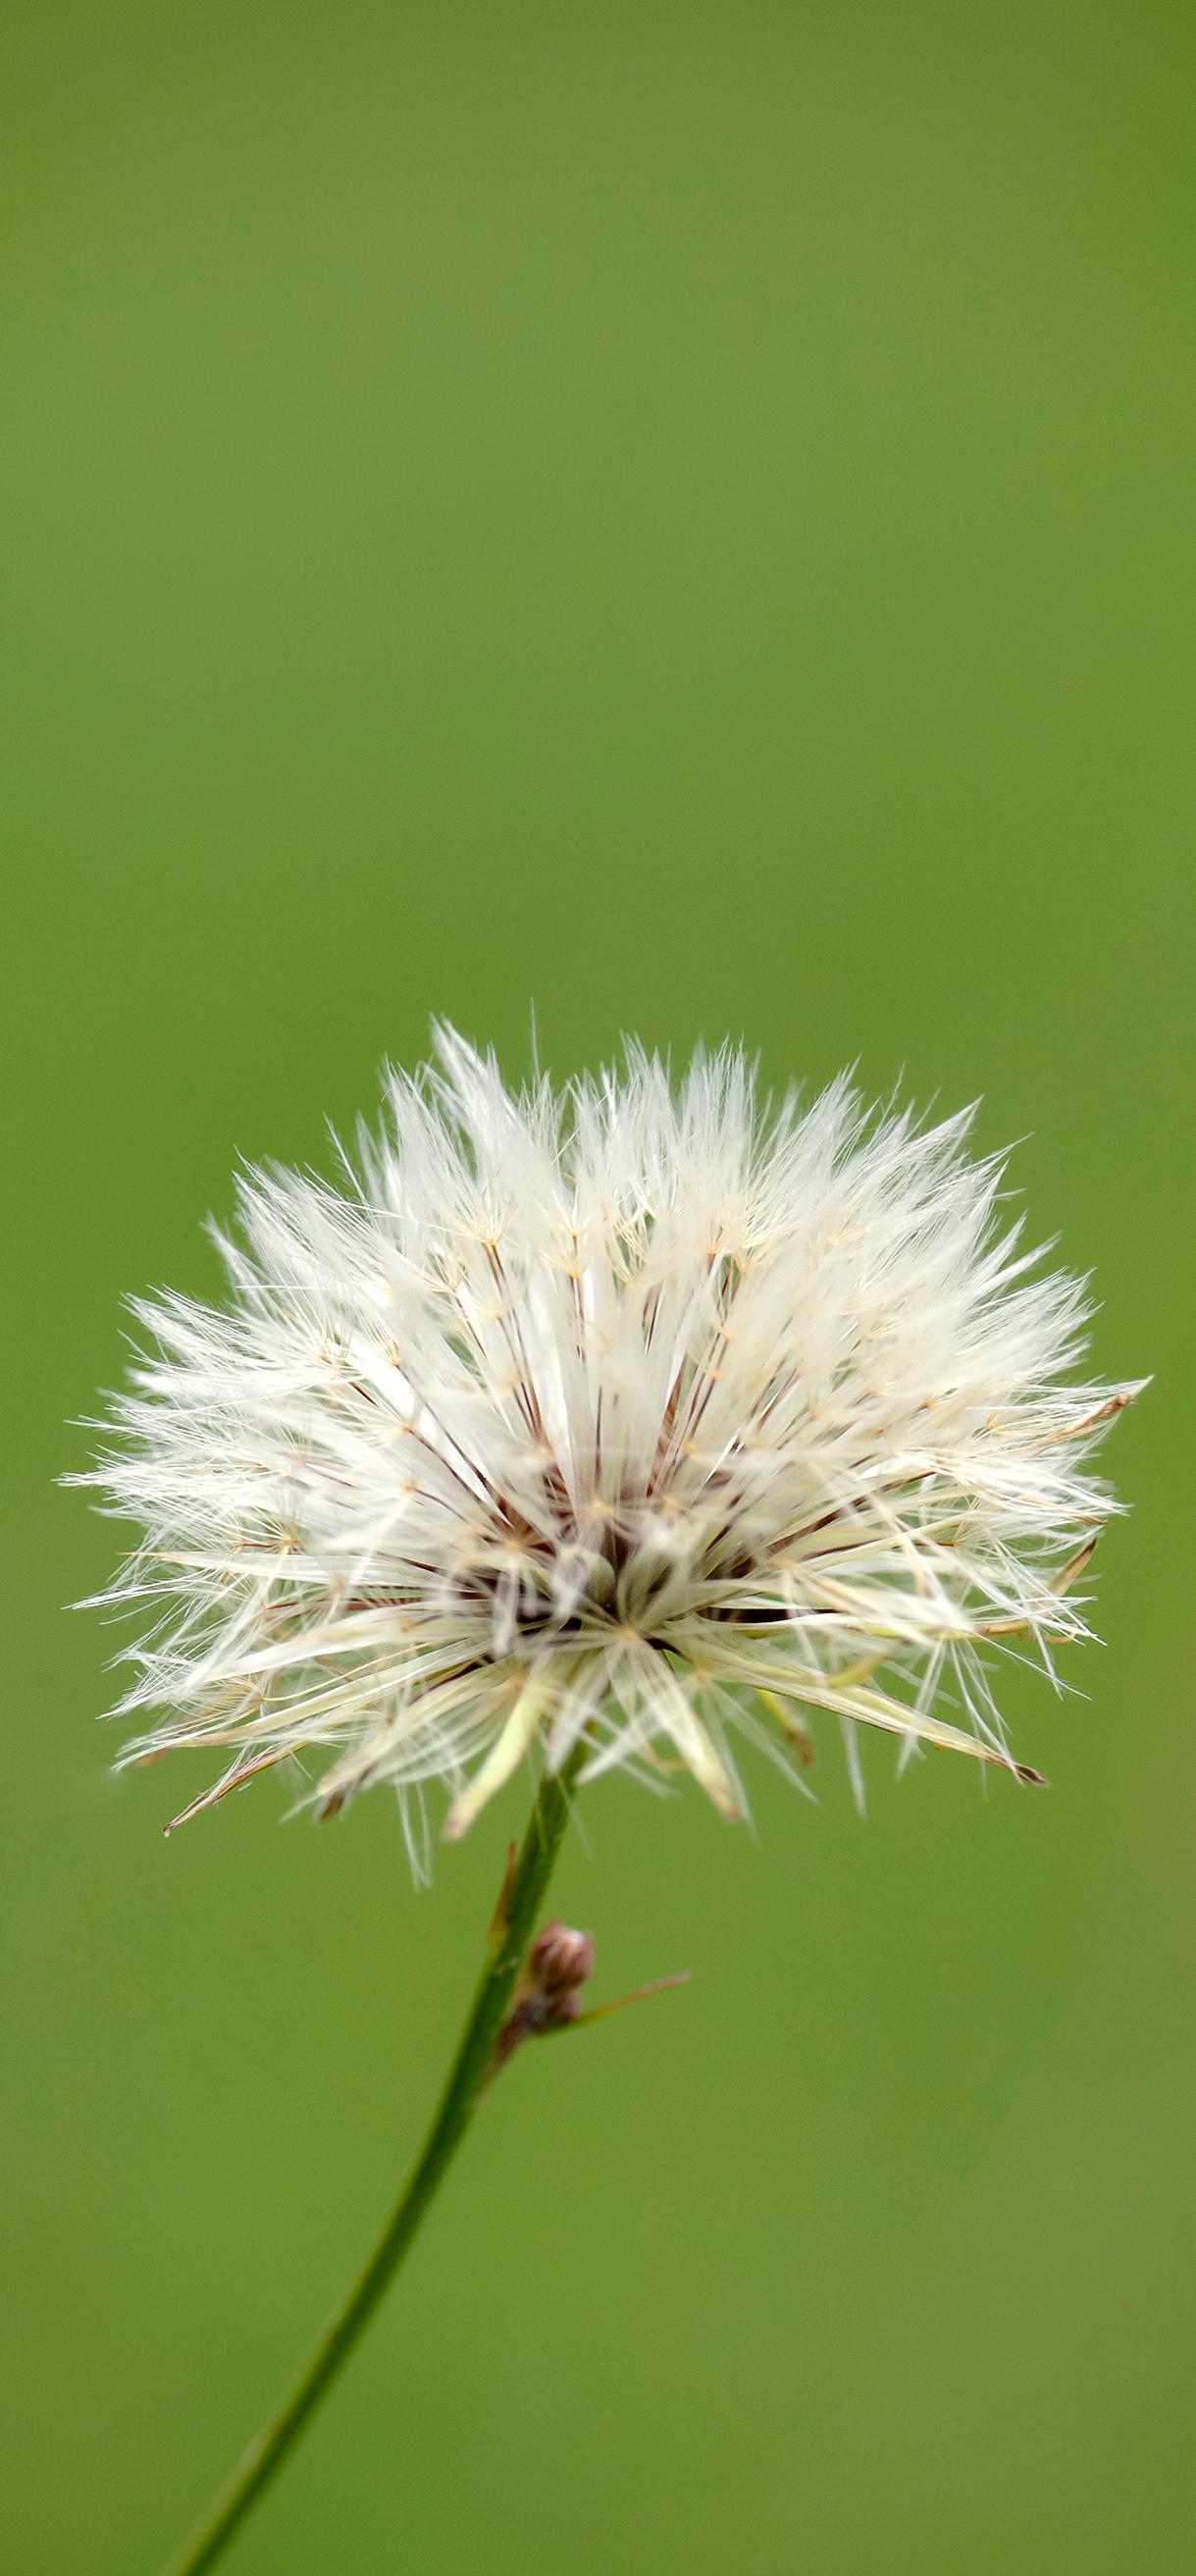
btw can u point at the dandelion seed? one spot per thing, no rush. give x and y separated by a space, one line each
632 1418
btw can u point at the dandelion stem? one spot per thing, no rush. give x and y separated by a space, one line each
466 2080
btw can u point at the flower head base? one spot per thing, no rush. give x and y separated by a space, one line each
635 1416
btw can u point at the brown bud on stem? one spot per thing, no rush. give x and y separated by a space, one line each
558 1962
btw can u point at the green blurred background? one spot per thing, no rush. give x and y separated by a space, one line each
682 518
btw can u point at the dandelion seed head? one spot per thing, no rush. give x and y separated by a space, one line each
642 1417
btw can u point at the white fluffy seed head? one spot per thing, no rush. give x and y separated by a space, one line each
633 1417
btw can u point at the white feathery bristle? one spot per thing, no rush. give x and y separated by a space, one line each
623 1417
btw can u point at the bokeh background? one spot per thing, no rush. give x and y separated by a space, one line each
681 518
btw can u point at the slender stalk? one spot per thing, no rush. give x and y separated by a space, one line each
465 2081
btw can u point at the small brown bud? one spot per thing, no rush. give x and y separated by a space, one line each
559 1960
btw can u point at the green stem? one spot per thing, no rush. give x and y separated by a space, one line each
465 2081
